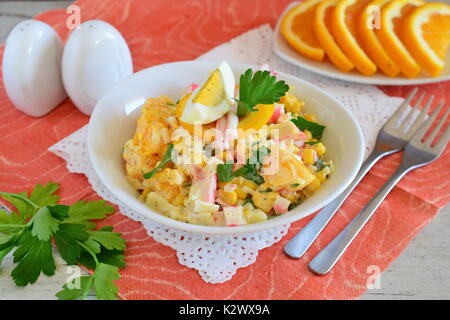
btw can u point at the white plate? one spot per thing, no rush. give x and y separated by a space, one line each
286 52
113 122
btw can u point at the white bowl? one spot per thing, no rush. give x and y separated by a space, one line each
113 122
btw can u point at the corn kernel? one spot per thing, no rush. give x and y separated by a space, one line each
229 197
320 149
314 185
309 117
308 156
240 193
255 216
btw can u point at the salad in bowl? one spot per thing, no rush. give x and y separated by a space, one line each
226 152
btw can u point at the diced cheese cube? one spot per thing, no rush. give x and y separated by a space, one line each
320 149
201 218
202 206
234 216
255 216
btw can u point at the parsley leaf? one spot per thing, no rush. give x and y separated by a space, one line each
104 274
43 195
166 159
44 225
315 128
93 245
112 257
109 240
66 241
24 208
6 245
9 218
253 176
258 88
78 288
59 211
249 171
40 221
34 256
82 212
225 172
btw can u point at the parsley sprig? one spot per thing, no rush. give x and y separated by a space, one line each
39 221
315 128
249 171
258 88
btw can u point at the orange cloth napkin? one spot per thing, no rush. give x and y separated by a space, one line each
160 31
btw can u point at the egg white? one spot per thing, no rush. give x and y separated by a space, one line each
197 113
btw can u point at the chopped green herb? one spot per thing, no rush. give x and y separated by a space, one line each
248 200
166 159
320 165
225 172
295 185
315 128
311 143
295 204
253 176
258 88
266 191
240 172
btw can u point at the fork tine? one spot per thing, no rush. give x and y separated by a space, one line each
440 145
426 126
420 119
436 130
411 112
393 119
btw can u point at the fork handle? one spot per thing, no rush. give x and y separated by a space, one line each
299 244
327 258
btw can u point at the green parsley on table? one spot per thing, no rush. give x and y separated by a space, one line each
258 88
40 222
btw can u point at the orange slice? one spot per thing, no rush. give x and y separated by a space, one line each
322 25
370 19
392 15
343 28
426 34
298 30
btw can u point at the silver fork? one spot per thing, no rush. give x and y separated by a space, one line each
417 154
392 138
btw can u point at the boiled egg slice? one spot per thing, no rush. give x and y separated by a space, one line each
212 100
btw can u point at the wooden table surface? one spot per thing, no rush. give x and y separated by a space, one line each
421 272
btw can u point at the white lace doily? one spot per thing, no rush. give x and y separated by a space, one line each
218 257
